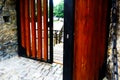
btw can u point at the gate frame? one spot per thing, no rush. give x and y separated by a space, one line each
68 38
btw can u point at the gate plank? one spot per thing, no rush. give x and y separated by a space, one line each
27 28
39 20
33 27
90 38
22 21
45 15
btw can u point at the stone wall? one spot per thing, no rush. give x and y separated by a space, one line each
118 41
110 64
8 29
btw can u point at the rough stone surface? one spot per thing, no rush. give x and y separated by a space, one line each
19 68
118 43
8 29
110 56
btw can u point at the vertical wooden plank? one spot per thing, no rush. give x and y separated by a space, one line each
33 27
90 37
39 21
22 23
27 28
21 50
45 17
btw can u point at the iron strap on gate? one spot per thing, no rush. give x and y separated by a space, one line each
51 29
114 39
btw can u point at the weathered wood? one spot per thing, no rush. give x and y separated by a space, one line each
39 21
22 23
27 28
45 18
90 37
33 27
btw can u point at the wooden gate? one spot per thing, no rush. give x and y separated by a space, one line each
34 29
90 44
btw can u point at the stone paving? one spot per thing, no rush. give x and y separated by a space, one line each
19 68
58 53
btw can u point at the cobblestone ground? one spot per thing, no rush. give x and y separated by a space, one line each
19 68
58 53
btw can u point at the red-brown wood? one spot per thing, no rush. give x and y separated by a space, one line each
90 37
27 28
33 27
22 23
39 20
45 29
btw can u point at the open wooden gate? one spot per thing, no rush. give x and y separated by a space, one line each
85 35
34 29
90 34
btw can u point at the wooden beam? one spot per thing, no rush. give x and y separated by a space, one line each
45 18
27 28
39 21
33 27
22 23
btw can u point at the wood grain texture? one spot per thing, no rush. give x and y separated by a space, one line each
27 28
45 17
39 20
90 37
33 25
22 23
